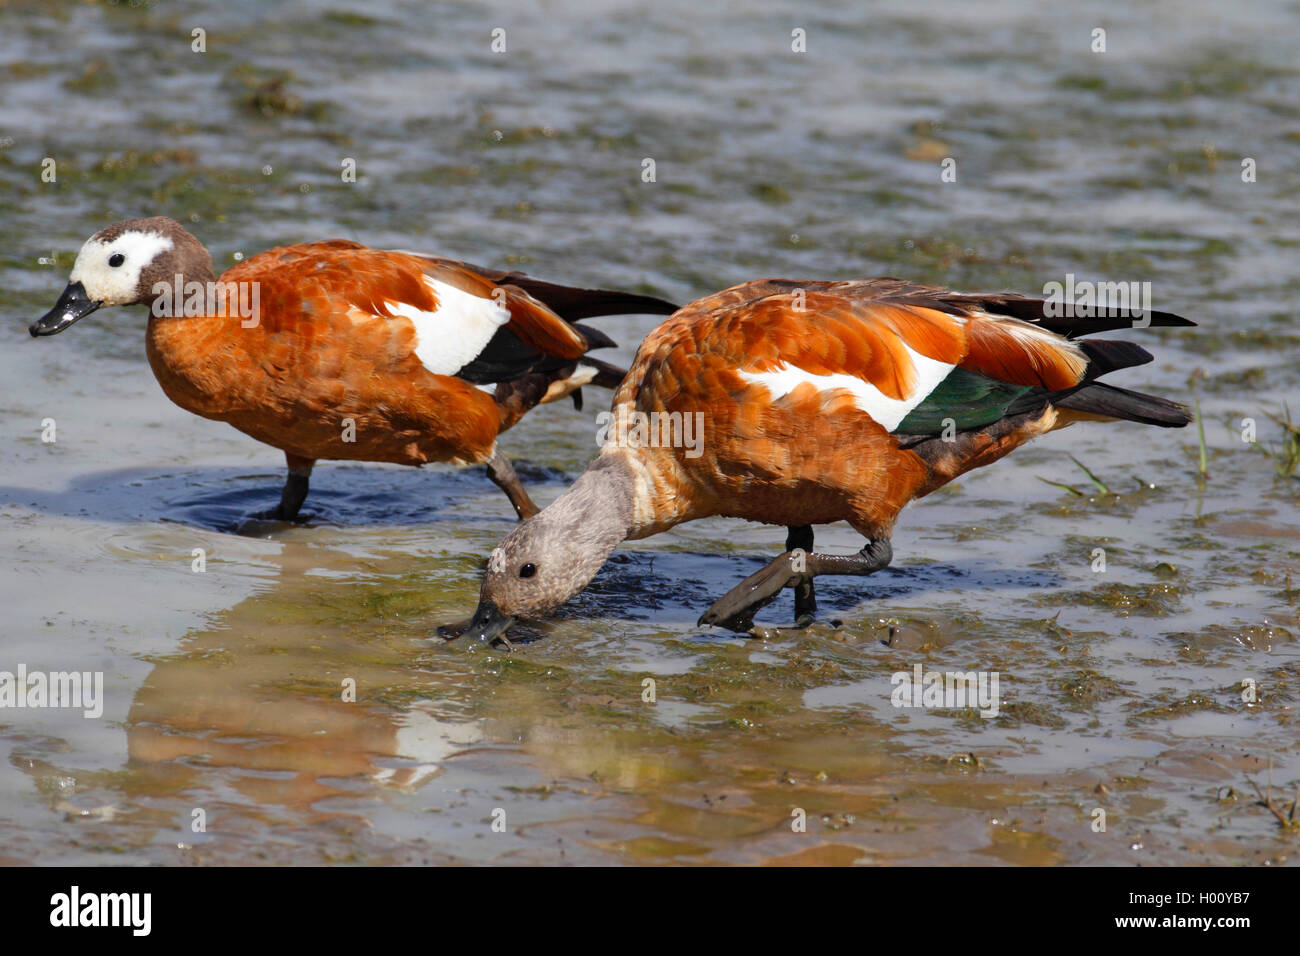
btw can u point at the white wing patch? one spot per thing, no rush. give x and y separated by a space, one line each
451 337
887 412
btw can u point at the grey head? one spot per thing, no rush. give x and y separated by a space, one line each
549 558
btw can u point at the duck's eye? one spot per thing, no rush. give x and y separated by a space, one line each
116 259
528 570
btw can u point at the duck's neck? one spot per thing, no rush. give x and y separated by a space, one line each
598 507
188 283
659 492
189 346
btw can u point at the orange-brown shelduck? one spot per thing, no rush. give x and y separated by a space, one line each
820 402
334 350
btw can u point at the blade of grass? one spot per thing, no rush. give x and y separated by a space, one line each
1286 458
1101 485
1204 465
1057 484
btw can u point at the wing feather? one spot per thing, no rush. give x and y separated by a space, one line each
889 355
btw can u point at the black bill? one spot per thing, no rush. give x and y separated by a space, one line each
72 306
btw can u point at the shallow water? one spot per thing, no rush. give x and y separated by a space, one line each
1120 690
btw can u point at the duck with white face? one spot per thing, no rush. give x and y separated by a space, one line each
331 350
121 265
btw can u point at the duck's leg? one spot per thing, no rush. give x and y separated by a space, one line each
735 610
503 476
805 596
295 489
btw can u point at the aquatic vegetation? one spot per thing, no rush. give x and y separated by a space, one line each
1285 455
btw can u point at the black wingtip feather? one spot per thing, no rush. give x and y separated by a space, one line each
596 339
1108 355
1102 320
571 303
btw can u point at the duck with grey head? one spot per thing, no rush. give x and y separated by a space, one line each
822 402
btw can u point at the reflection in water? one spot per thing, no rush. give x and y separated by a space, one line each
290 702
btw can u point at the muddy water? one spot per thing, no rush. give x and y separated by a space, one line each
1121 689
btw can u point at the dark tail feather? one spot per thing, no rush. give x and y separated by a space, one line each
1108 401
572 304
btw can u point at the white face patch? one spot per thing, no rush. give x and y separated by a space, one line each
885 411
453 336
116 285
